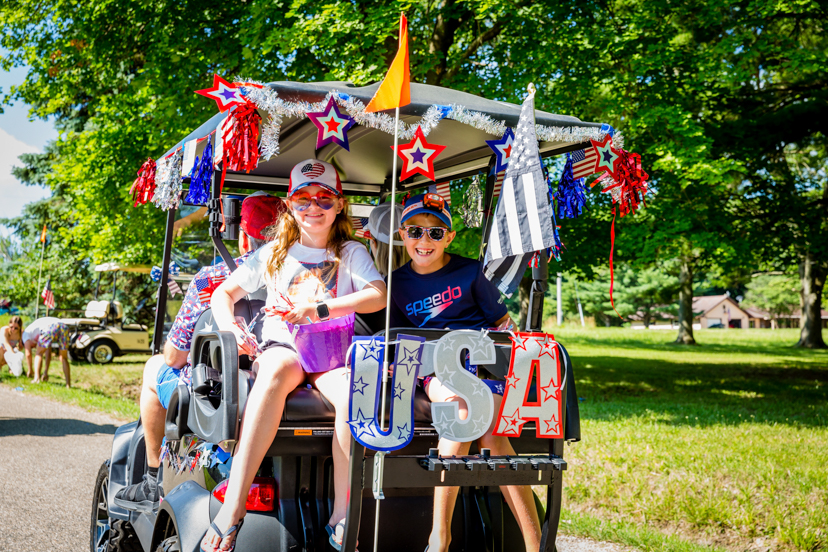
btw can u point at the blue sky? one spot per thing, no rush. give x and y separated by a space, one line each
18 135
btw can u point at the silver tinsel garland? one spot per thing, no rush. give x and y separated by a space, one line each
471 209
168 181
268 101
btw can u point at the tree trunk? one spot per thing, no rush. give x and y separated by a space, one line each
524 290
685 335
812 275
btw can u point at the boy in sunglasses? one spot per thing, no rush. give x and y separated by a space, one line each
440 290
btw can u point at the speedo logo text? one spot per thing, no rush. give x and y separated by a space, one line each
434 304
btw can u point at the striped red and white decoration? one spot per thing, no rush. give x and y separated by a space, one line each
584 162
48 296
499 183
359 226
443 190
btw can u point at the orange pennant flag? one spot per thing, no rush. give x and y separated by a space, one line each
395 90
43 235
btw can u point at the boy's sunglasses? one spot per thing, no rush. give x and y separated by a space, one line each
302 200
435 233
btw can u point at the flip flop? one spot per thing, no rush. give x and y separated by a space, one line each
332 534
237 527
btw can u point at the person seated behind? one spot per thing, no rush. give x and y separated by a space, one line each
377 232
162 373
323 274
441 290
10 336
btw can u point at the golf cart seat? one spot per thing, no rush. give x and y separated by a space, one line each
97 309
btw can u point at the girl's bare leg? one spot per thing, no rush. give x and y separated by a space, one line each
520 498
334 385
64 360
278 373
445 497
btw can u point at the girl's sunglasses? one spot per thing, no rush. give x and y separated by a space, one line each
435 233
302 200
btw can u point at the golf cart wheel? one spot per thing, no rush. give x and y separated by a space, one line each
77 355
105 534
101 352
170 544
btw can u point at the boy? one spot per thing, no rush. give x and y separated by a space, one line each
439 290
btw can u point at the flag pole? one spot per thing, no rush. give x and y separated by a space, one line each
39 274
379 458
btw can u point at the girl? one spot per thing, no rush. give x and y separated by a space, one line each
10 337
314 264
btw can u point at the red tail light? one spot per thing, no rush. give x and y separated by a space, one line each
260 498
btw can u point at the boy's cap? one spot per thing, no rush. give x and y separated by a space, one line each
259 211
380 219
428 204
313 172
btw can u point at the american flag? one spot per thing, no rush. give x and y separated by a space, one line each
523 217
442 190
173 287
48 296
359 226
499 183
206 287
584 162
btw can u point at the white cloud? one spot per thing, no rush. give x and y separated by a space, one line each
13 194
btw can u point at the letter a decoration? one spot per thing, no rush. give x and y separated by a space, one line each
366 379
535 356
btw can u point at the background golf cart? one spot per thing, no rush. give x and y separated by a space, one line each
103 333
296 474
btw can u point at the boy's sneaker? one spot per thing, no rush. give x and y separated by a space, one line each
141 497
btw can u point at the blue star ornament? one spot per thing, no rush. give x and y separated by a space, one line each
403 429
359 386
372 350
332 125
502 149
410 359
398 391
362 425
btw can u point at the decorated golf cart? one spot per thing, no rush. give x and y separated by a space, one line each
262 131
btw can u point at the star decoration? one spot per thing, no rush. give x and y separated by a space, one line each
359 386
361 425
484 346
418 156
409 360
446 376
479 424
372 350
552 425
226 94
398 391
519 341
447 342
513 423
607 155
332 125
512 379
502 149
208 327
480 390
445 427
554 393
547 346
403 429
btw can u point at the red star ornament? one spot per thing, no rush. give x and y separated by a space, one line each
555 392
511 379
553 426
332 125
547 347
519 341
513 423
608 156
226 94
418 156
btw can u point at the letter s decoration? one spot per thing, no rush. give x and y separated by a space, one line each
366 380
449 369
533 354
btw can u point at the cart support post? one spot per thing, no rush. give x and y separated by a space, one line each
540 274
214 210
161 303
355 486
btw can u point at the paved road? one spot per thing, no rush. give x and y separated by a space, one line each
49 456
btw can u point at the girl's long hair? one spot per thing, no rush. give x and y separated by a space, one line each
381 257
286 232
17 320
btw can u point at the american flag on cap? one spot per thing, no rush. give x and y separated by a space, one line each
523 217
584 162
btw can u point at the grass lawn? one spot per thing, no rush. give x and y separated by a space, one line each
724 444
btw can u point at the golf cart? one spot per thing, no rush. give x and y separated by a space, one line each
103 334
290 501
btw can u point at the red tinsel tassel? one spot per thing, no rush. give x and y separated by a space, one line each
241 151
629 184
143 188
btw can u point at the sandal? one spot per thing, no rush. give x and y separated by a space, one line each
237 527
332 535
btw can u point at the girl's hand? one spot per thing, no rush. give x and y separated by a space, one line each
301 314
241 340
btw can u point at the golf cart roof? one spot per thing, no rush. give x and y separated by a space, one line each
111 267
366 168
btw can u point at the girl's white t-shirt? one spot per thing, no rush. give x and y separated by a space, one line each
307 275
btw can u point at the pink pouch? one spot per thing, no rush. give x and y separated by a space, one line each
322 345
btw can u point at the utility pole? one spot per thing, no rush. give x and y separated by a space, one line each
580 308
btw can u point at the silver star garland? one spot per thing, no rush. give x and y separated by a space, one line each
168 181
471 209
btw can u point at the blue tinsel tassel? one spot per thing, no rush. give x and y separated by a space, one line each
201 176
571 194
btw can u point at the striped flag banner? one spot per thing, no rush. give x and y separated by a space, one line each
359 226
584 162
47 295
499 183
442 190
522 222
173 287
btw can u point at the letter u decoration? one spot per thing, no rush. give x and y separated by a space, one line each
366 379
535 356
449 368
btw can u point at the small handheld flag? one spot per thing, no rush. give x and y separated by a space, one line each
48 296
395 90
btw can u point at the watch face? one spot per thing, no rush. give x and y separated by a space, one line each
322 311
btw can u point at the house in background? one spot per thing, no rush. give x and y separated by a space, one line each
719 311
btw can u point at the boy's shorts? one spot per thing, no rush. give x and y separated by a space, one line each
165 383
55 333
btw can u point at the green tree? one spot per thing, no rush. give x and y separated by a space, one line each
777 294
